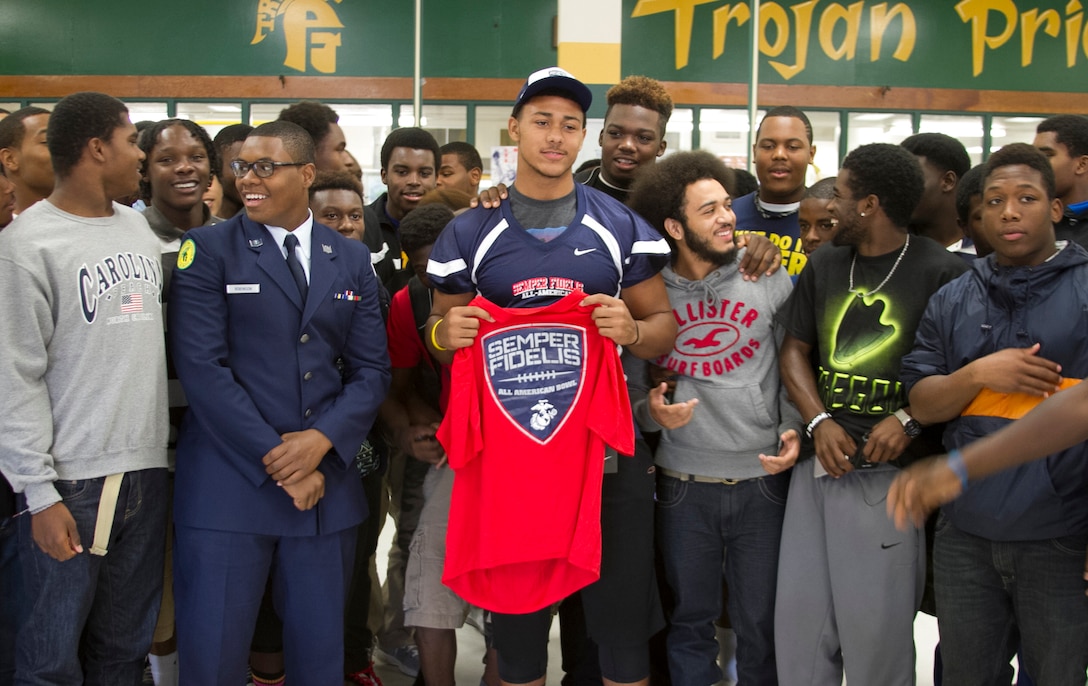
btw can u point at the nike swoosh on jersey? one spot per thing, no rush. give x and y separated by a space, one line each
583 252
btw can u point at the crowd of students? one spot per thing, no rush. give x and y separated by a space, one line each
634 395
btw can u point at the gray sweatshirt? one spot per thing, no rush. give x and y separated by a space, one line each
726 355
82 358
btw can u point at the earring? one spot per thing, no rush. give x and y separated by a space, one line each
862 214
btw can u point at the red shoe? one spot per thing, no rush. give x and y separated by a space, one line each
364 677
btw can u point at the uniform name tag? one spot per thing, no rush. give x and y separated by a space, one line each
243 288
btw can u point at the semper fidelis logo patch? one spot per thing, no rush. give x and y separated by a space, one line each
536 373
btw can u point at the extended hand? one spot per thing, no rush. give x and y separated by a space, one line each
297 457
919 489
670 416
788 452
54 530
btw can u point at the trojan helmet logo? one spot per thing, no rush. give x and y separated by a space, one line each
536 375
311 30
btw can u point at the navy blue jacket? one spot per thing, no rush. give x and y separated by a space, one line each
988 309
257 362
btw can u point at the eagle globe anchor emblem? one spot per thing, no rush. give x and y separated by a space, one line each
543 413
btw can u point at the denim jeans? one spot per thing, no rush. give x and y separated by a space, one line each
995 595
701 528
13 603
91 617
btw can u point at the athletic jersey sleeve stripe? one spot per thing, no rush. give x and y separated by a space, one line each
485 246
658 247
609 240
444 269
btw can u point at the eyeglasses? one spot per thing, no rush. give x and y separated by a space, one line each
262 168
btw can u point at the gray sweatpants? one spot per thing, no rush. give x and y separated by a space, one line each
849 583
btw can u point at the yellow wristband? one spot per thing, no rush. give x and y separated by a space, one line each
434 336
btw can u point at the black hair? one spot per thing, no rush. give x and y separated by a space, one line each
298 143
411 137
313 116
787 111
659 189
891 173
336 181
229 135
824 189
421 226
941 150
1027 155
12 128
745 181
149 137
1071 130
466 153
76 120
970 185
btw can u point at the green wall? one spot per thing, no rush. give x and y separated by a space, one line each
969 44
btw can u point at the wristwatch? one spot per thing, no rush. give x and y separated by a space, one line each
911 427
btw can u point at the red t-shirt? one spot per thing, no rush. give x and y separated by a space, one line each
534 401
406 350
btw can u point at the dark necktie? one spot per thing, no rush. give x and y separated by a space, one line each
290 243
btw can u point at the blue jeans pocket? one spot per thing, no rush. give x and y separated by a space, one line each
775 488
72 490
670 491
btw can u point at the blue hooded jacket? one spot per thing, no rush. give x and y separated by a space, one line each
988 309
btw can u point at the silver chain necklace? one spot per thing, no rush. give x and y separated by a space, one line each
853 262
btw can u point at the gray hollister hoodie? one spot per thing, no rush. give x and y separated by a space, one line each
726 355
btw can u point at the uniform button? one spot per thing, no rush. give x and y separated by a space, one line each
305 338
309 412
307 376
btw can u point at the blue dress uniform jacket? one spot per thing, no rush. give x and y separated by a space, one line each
257 362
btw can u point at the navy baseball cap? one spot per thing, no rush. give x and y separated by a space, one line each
554 78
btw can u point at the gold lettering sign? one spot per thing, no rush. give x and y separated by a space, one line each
780 30
311 30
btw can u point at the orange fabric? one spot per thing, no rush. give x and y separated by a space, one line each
1007 405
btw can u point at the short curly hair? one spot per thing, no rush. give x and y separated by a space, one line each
1071 130
1027 155
941 150
311 115
659 190
824 189
149 137
411 137
76 120
643 92
891 173
421 226
12 128
790 112
336 181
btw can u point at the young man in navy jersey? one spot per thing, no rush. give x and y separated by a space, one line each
782 151
550 237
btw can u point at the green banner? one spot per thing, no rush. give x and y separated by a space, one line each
976 44
477 38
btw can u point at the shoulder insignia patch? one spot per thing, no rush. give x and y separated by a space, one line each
186 254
